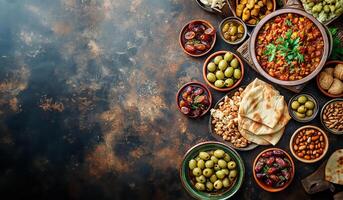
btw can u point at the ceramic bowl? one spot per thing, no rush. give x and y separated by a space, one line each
321 116
269 188
181 37
205 71
198 84
332 63
292 142
235 19
207 146
306 119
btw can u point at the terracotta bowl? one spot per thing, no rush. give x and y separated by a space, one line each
236 19
332 63
253 40
268 188
211 57
322 112
208 25
291 142
184 171
199 85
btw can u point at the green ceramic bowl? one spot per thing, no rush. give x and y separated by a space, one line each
207 146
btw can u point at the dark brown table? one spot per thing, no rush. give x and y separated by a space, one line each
87 102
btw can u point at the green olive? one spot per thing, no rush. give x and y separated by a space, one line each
220 174
226 182
218 184
209 186
201 179
222 164
219 83
229 72
228 56
196 171
213 178
229 82
207 172
309 105
211 77
227 157
240 29
192 164
233 30
226 171
309 113
234 63
233 173
220 75
237 74
301 109
299 115
200 186
219 153
231 165
295 105
217 59
302 99
204 155
209 164
201 164
216 167
197 158
211 67
222 65
214 159
225 28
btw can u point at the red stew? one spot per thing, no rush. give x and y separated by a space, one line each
289 47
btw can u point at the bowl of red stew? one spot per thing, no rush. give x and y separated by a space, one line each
194 99
273 169
289 47
197 37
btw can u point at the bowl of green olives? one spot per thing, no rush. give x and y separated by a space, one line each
303 107
212 170
223 71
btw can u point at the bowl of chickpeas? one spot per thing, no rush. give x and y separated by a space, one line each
212 170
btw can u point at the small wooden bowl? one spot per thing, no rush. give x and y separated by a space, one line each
268 188
208 25
329 64
199 85
238 20
306 119
322 120
211 57
325 139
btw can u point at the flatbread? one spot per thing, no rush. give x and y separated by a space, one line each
261 129
334 168
271 139
262 104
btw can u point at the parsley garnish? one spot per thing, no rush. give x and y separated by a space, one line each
337 48
289 22
287 47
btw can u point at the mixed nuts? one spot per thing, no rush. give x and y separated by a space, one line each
333 116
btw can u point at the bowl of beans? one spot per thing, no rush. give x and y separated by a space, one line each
212 170
309 144
331 116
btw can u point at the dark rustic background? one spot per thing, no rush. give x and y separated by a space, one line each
87 101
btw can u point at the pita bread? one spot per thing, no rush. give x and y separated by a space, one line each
262 104
260 129
334 168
